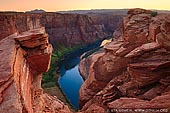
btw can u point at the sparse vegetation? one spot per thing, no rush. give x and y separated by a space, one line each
62 51
51 77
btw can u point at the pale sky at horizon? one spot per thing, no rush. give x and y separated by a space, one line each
63 5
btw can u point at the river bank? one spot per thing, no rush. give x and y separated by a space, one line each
56 91
58 82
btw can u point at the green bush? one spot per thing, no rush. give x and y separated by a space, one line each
154 13
62 51
51 75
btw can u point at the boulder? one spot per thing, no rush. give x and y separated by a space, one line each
142 49
163 38
159 102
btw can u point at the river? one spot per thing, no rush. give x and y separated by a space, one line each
70 79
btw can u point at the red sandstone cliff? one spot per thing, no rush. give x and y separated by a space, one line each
23 59
134 70
63 29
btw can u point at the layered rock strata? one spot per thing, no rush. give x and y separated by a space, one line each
134 70
23 59
63 29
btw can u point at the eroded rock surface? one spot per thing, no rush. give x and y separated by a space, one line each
63 29
23 59
134 70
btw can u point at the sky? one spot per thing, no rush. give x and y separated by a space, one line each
64 5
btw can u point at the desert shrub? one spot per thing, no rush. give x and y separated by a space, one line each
154 13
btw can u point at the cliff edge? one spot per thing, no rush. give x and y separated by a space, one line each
23 59
134 70
67 30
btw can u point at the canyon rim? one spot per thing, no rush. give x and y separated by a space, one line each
132 72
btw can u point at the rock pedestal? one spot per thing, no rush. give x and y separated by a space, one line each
23 59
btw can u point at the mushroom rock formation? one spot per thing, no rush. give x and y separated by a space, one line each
23 59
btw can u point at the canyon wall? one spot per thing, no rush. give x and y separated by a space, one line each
130 72
133 71
25 55
63 29
23 59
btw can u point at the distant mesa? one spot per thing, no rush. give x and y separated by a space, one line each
36 11
115 11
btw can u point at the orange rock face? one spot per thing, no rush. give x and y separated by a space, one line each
23 59
138 11
63 29
133 73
